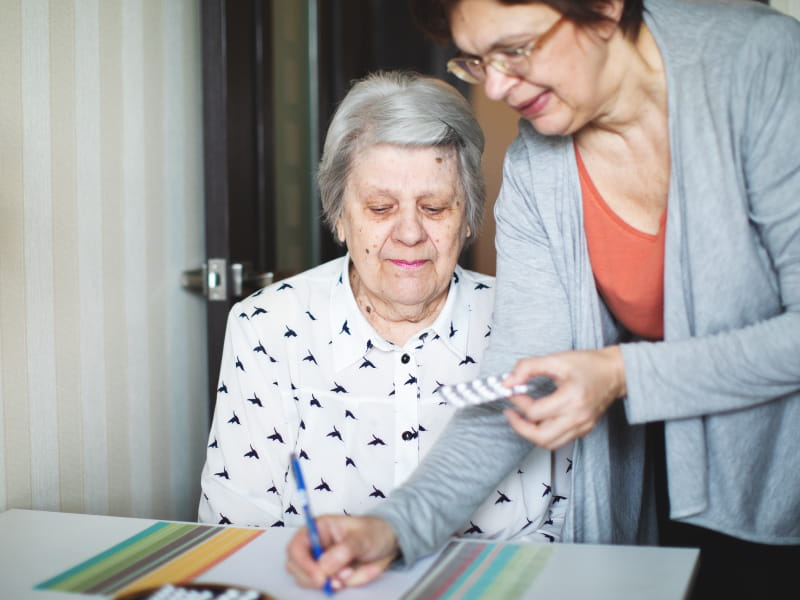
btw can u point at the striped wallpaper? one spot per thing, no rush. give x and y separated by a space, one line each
102 361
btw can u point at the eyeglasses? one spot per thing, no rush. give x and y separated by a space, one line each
514 62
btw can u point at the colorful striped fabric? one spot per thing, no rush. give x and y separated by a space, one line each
163 553
468 570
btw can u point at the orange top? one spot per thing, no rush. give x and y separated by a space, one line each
628 264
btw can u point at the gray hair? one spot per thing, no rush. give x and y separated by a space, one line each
403 109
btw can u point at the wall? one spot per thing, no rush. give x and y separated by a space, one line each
102 399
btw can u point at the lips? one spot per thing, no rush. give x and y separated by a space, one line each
408 264
532 108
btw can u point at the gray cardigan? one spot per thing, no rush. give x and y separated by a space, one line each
726 378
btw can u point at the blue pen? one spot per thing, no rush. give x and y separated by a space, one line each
316 547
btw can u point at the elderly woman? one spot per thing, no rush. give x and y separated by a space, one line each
341 364
648 243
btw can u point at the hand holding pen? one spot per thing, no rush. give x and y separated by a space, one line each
316 546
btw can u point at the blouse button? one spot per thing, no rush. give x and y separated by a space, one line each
405 358
407 435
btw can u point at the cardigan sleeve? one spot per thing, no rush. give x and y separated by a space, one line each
756 362
478 448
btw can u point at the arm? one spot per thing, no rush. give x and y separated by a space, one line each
756 362
478 448
240 469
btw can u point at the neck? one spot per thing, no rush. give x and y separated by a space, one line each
636 94
396 323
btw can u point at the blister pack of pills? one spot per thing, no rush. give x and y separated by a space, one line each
491 388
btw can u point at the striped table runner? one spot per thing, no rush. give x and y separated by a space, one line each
468 570
163 553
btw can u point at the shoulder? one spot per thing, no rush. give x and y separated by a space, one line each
718 33
308 290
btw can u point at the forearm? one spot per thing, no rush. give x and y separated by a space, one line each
476 451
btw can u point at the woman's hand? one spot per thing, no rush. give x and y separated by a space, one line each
587 382
357 551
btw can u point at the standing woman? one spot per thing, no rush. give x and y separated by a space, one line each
648 261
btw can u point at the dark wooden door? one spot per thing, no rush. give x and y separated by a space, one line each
237 143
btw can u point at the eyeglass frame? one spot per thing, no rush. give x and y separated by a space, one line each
454 65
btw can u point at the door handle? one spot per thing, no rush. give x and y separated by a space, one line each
212 280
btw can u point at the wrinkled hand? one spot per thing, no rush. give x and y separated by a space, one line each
357 551
588 382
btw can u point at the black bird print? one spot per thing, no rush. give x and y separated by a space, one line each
439 385
258 311
557 498
455 277
369 345
303 454
223 474
376 493
421 429
335 434
277 524
423 336
289 332
285 286
376 441
271 359
243 315
481 286
548 522
272 490
366 363
223 520
473 529
349 415
547 490
214 444
260 348
501 498
291 510
255 400
411 380
488 331
340 279
239 364
348 462
569 465
392 392
528 524
222 389
453 330
257 293
323 487
344 329
310 316
310 358
550 538
314 402
252 453
467 361
338 389
302 424
275 437
234 419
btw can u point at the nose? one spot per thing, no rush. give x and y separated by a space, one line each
497 84
409 228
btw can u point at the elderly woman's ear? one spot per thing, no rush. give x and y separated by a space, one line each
340 231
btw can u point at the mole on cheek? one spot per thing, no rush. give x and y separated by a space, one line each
366 250
369 309
438 159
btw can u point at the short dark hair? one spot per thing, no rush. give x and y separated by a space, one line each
433 16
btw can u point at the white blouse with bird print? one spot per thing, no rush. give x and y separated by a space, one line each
303 371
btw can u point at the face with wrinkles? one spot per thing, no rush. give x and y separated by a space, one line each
404 224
